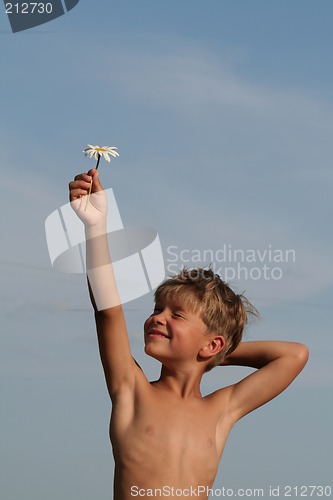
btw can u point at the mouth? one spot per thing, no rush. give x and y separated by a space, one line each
154 333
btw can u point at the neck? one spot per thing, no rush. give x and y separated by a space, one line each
185 384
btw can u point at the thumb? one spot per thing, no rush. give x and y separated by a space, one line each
96 184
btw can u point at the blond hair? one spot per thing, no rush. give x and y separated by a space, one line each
222 310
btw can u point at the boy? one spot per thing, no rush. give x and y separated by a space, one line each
166 437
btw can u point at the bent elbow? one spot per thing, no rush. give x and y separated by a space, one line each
302 354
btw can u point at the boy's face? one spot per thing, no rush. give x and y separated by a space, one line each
173 333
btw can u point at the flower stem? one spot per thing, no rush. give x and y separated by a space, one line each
89 193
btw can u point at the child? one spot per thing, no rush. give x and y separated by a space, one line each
167 438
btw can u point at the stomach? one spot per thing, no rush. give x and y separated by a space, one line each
162 465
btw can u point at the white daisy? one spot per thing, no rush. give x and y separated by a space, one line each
96 151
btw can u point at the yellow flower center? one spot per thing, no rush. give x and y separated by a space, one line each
100 149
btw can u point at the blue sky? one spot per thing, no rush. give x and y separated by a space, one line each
222 114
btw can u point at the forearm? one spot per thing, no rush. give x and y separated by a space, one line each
97 248
259 353
101 281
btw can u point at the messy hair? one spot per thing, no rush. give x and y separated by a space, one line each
223 311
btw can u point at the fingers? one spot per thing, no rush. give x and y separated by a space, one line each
97 186
79 187
83 176
81 184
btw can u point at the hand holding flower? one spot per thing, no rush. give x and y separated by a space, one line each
94 213
97 152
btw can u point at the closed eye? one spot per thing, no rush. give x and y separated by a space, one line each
178 315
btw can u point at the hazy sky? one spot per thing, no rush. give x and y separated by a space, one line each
222 115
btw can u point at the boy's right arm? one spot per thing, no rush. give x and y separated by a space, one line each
121 371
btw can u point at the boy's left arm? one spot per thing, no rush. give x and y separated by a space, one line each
278 363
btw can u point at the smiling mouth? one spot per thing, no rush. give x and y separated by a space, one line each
157 334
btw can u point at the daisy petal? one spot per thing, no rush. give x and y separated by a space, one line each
112 152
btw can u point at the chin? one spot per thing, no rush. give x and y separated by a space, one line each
152 353
148 350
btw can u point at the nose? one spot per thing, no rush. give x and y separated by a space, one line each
159 318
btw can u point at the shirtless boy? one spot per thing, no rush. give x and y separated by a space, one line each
165 434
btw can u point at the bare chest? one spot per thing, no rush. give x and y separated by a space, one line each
170 436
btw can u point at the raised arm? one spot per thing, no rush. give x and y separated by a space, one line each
119 367
278 363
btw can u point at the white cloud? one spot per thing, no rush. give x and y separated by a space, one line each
182 80
191 78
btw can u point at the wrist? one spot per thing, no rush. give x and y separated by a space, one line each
93 231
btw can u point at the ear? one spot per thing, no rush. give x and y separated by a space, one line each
214 346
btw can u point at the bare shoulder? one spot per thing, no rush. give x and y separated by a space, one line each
220 396
219 401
